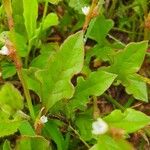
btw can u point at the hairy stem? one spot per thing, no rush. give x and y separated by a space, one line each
15 57
75 131
90 15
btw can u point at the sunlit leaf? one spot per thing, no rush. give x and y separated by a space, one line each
56 79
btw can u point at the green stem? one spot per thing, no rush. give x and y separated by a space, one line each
15 57
116 40
43 17
27 57
96 113
27 93
112 8
129 102
45 10
79 136
113 101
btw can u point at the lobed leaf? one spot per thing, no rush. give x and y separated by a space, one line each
95 85
126 64
131 120
56 79
99 28
136 86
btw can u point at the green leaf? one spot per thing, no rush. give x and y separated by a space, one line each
84 124
8 127
54 1
32 82
95 85
142 3
106 142
55 80
50 20
126 64
129 60
99 28
51 130
136 86
11 97
32 143
47 52
103 53
30 15
131 120
20 43
17 6
8 69
26 129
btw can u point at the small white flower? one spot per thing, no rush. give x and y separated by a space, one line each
99 127
85 10
4 51
43 119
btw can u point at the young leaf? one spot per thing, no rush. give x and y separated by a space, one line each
55 80
30 15
32 143
131 120
99 28
50 20
95 85
10 96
